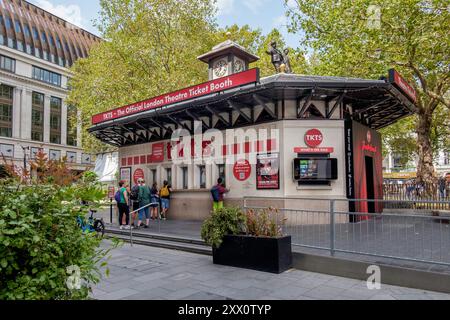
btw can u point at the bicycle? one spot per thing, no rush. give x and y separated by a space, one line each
92 224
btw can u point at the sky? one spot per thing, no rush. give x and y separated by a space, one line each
263 14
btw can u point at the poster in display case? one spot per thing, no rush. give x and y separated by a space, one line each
268 171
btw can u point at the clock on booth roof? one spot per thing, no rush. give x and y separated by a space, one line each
220 68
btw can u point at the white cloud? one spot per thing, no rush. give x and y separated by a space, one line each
280 21
255 5
70 13
291 4
224 7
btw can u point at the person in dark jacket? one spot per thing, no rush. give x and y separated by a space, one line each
144 200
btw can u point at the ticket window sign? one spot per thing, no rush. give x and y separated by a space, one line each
311 169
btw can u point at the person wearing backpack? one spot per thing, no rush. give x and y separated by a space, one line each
217 193
121 198
134 194
164 195
144 200
154 193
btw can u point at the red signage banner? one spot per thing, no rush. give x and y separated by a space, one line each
396 79
138 174
313 150
158 152
225 83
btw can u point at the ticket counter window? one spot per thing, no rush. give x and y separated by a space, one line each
169 175
154 180
221 172
184 176
202 176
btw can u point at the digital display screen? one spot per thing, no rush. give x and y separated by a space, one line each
310 169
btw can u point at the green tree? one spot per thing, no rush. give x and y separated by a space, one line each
365 38
148 49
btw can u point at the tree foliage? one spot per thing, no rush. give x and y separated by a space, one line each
365 38
149 48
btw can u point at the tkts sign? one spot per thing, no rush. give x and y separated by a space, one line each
396 79
225 83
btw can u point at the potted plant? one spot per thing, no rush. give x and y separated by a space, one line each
252 239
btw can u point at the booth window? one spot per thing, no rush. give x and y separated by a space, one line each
37 117
169 175
202 176
184 176
154 176
221 172
6 110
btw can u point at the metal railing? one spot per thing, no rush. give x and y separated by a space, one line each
438 193
329 224
137 211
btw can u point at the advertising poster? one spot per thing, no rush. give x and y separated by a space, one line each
158 152
242 170
125 175
268 171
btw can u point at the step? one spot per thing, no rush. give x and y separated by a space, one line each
166 244
157 236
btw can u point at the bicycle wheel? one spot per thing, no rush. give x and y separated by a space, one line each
99 227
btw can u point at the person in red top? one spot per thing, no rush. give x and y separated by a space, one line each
217 193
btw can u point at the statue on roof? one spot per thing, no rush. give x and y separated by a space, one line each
280 60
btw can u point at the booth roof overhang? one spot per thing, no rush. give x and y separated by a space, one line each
374 103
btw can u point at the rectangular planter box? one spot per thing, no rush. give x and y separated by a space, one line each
263 254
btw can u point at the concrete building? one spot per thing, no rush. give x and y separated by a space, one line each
36 50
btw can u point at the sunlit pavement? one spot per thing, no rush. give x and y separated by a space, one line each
144 273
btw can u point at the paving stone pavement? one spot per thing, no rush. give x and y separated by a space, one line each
146 273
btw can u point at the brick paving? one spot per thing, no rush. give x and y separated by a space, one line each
147 273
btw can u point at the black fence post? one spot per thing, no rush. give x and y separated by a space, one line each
111 210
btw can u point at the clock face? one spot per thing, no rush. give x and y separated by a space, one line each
238 66
220 68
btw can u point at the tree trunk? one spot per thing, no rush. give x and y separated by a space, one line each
425 167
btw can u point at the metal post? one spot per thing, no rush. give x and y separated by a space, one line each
131 231
332 228
111 210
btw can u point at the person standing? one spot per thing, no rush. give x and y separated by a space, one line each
134 194
164 194
124 210
144 201
154 196
217 193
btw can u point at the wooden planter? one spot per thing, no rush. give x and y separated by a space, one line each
263 254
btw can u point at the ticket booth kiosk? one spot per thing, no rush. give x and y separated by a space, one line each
280 137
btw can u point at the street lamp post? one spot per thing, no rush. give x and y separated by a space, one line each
25 157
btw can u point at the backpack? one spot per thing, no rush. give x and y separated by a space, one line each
117 196
164 191
215 194
134 194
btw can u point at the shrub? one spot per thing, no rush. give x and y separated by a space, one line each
40 238
233 221
222 222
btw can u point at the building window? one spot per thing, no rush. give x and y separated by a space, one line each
44 37
20 46
27 30
6 150
18 27
37 117
71 157
46 76
35 151
35 33
6 109
8 64
72 129
202 176
86 158
169 175
55 120
184 178
446 158
11 43
54 155
8 23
